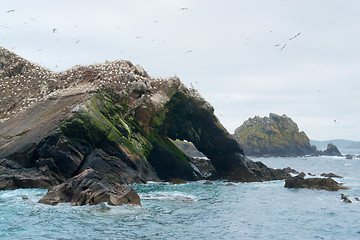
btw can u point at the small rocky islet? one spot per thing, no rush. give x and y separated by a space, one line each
113 120
277 136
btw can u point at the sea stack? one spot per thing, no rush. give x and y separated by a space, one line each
113 118
273 136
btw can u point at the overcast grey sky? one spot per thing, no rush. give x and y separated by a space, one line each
230 50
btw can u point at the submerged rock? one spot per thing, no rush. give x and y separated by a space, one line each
208 183
229 184
89 188
313 183
177 181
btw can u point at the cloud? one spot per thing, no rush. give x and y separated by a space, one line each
226 49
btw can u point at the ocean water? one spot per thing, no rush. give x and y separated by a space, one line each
264 210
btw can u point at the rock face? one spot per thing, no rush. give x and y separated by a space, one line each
113 118
89 188
313 183
273 136
189 149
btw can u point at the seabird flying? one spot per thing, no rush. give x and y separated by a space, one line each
294 36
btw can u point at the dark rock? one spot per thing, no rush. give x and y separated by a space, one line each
204 166
332 150
89 188
229 184
357 199
331 175
349 156
265 173
310 174
345 198
28 179
13 176
313 183
121 169
290 170
301 175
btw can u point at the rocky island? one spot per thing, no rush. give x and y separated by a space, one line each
112 118
277 136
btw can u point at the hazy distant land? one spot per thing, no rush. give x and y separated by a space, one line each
340 143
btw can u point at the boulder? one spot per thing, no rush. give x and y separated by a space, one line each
89 188
313 183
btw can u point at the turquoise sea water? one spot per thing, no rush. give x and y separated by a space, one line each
264 210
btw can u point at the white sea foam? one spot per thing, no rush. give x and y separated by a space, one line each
172 196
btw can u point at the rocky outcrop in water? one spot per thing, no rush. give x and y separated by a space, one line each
331 150
90 188
331 175
277 136
313 183
345 198
113 118
273 136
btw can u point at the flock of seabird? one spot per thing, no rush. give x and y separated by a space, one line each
23 83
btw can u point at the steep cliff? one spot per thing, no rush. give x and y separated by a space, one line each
273 136
113 118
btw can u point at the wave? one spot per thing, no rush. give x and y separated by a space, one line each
168 196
